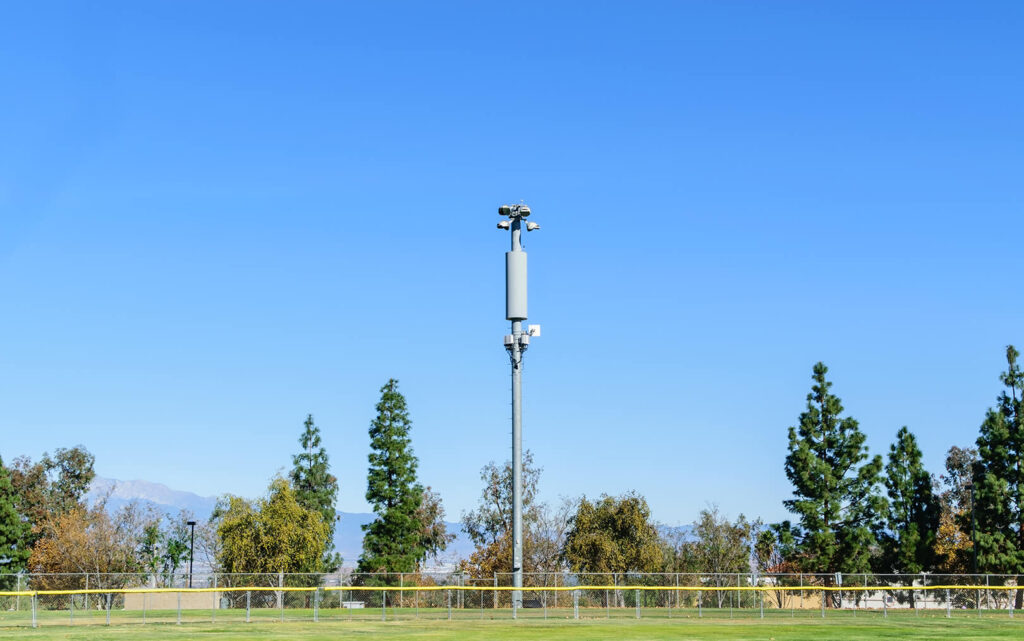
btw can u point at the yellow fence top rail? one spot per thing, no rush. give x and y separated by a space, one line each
506 588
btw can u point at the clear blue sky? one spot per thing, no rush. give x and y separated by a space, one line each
216 217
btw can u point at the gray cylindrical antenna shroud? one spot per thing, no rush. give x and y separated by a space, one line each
515 285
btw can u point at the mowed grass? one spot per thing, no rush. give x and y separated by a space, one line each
229 626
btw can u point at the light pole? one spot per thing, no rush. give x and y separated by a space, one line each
516 343
192 551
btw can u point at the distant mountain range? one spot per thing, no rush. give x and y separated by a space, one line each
348 534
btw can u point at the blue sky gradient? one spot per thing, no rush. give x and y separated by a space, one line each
217 217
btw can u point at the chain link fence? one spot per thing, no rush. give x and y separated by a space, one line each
32 600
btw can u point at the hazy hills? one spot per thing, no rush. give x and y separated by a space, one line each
348 534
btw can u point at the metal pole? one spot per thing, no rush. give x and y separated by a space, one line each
108 608
144 595
495 590
948 604
192 551
449 605
213 611
516 343
179 607
248 606
316 606
384 606
575 604
34 622
73 611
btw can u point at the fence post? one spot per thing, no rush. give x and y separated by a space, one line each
823 604
213 611
17 599
280 593
495 590
948 604
108 607
700 606
143 606
87 591
72 609
384 605
401 584
636 596
761 594
792 602
575 604
179 606
34 622
316 605
607 605
449 605
885 605
248 616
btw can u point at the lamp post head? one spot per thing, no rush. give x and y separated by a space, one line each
191 523
514 211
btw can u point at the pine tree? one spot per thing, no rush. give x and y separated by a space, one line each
836 491
393 541
14 530
912 520
315 487
999 479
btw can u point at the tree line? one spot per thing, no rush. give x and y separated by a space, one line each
852 511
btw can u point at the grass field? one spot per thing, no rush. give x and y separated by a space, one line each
230 626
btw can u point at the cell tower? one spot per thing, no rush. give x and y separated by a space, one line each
516 344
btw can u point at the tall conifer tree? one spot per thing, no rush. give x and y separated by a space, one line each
14 530
315 487
999 479
393 541
912 520
835 491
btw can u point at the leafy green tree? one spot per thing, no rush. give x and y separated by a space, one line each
912 518
393 541
434 535
489 526
273 534
14 530
836 497
953 545
722 548
315 487
53 485
165 545
999 479
613 534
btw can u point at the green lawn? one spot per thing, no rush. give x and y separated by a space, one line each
468 626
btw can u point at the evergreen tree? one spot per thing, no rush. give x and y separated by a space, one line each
14 530
912 520
836 495
393 541
999 479
315 487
